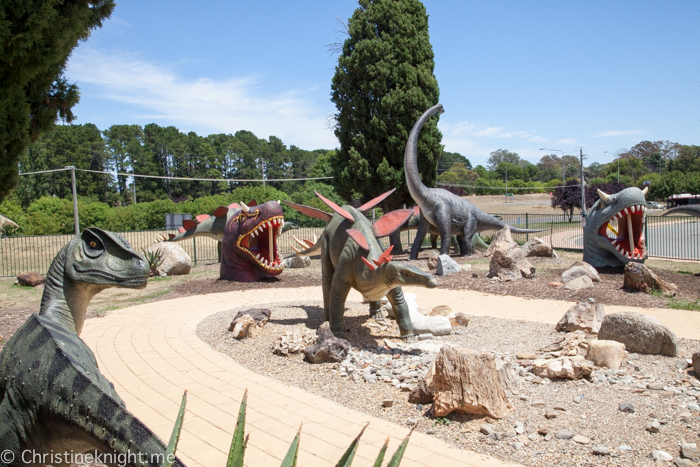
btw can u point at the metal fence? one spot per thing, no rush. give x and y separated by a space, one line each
676 237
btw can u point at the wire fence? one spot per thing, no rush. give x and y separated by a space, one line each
675 237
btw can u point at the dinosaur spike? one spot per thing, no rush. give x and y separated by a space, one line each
309 211
645 190
359 238
335 207
385 257
315 239
189 224
220 211
234 206
309 243
294 248
416 210
181 230
300 242
253 202
244 207
202 217
171 236
390 222
373 202
369 265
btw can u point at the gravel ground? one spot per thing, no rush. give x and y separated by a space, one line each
588 408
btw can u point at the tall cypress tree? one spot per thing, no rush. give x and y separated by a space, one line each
36 38
383 82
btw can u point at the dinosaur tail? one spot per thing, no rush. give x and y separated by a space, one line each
691 210
489 222
309 247
205 225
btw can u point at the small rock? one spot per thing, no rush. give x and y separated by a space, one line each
627 407
30 279
487 429
606 353
446 266
658 386
578 399
560 408
554 284
601 450
550 414
496 436
681 364
684 462
659 455
690 450
548 436
519 428
654 426
564 434
518 445
543 430
580 283
624 448
387 402
411 421
580 439
510 434
694 407
538 403
685 416
525 356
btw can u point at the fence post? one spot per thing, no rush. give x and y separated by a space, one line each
527 225
194 249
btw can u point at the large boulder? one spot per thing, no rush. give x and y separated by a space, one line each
422 324
176 261
538 247
446 266
609 354
260 316
508 260
327 348
640 333
640 278
30 279
580 283
584 316
467 381
578 269
243 327
562 367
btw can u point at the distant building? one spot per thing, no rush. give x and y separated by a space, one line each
682 200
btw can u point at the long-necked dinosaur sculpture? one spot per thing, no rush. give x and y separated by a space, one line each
53 398
248 238
351 257
605 244
447 212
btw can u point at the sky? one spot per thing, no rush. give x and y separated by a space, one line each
515 75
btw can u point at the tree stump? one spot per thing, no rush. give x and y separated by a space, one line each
467 381
641 278
327 348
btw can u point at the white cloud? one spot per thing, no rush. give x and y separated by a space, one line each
605 134
216 106
566 141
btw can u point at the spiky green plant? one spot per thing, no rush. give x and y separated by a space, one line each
154 258
240 441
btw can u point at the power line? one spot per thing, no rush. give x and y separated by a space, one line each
503 188
229 180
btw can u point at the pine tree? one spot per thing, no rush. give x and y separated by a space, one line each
383 82
36 38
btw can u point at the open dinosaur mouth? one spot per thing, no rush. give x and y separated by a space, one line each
261 243
625 231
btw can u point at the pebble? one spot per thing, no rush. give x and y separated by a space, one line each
601 450
518 445
656 386
689 450
510 434
578 399
487 429
694 407
564 434
659 455
627 407
654 426
624 448
684 462
494 435
550 414
387 402
539 403
681 364
519 428
580 439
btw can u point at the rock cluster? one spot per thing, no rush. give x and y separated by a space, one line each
245 323
293 342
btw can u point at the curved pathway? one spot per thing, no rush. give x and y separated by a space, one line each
152 354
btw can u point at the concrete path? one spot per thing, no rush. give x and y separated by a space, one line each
152 354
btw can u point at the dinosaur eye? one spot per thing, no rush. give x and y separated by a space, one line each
241 218
93 246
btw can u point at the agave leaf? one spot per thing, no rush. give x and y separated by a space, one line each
398 455
175 435
349 455
238 443
380 457
290 460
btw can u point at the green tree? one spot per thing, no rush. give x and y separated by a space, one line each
125 148
503 155
36 39
449 159
382 84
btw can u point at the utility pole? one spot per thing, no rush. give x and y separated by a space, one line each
262 170
506 182
76 220
583 187
133 184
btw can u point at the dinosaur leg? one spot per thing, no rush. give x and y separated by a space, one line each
444 221
327 273
336 309
457 244
469 230
420 235
375 310
403 319
433 241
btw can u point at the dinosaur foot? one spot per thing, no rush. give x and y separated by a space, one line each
409 338
377 315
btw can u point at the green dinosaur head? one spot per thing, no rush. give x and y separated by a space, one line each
105 259
403 274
